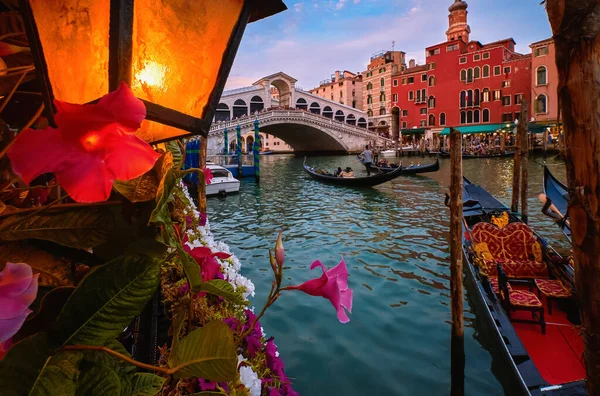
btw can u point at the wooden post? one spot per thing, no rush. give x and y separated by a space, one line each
502 142
238 150
522 130
514 206
576 33
545 142
395 129
256 151
401 144
457 344
202 165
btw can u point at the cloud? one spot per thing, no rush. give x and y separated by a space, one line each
340 4
298 7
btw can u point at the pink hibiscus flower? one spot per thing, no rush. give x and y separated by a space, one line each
18 289
93 146
208 176
206 259
332 285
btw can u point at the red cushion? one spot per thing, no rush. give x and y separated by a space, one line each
552 288
513 242
496 286
518 269
524 298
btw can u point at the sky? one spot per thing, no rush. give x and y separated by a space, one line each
314 38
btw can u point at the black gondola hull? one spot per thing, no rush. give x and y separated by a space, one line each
412 170
558 194
354 182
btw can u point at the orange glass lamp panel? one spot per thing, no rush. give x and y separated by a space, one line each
178 48
74 38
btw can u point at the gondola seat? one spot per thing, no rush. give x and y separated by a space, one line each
520 300
495 285
514 246
552 289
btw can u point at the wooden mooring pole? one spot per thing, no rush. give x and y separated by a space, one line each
522 130
514 206
201 181
576 33
457 343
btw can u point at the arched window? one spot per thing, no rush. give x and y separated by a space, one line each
469 117
362 122
382 97
382 111
540 75
315 108
240 108
486 115
463 117
382 81
476 72
369 85
327 112
470 75
339 115
476 97
486 71
442 118
431 102
541 104
463 75
431 120
463 99
351 119
369 99
431 81
476 116
369 113
470 98
302 104
222 113
256 104
485 95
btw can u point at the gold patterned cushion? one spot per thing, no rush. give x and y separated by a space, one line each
553 288
524 298
482 250
537 252
496 286
500 221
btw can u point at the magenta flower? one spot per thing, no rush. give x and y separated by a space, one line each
206 385
332 285
279 251
206 259
208 176
18 289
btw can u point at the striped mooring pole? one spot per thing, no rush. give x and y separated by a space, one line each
225 142
238 149
256 151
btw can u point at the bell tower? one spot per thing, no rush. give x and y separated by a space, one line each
458 29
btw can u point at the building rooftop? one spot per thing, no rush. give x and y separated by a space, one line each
541 42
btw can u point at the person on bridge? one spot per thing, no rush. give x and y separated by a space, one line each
367 157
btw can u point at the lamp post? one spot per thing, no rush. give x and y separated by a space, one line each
238 149
225 142
177 66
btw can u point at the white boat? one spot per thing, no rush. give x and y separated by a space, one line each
388 153
222 182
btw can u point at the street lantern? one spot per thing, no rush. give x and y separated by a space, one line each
174 54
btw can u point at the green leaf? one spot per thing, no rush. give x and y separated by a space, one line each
145 384
98 380
207 352
28 369
178 155
144 188
191 269
208 393
222 288
107 299
178 322
125 371
75 227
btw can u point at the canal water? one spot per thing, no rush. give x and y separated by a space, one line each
394 240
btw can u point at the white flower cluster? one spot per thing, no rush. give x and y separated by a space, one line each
231 266
249 378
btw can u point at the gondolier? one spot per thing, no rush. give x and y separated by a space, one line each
367 157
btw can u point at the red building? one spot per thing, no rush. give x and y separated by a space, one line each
466 83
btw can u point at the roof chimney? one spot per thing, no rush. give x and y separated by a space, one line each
337 75
411 63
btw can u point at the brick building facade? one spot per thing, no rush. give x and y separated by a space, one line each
344 87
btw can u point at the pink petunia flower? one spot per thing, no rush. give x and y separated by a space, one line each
18 289
332 285
206 259
93 146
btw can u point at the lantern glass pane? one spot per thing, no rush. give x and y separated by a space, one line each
178 48
74 38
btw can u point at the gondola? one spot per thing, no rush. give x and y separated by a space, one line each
467 156
540 346
556 199
408 170
368 181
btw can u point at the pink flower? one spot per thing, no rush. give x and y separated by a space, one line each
209 266
93 146
208 176
279 251
332 285
18 289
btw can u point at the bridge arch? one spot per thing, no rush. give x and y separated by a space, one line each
285 92
315 108
223 113
303 137
301 104
351 119
362 122
327 112
339 115
240 108
256 104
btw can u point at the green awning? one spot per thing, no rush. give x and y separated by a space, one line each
413 131
483 128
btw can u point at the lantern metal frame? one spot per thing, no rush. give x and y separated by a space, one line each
120 62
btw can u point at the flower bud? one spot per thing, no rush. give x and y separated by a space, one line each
273 262
279 252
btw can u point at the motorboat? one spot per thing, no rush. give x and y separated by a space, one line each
223 182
